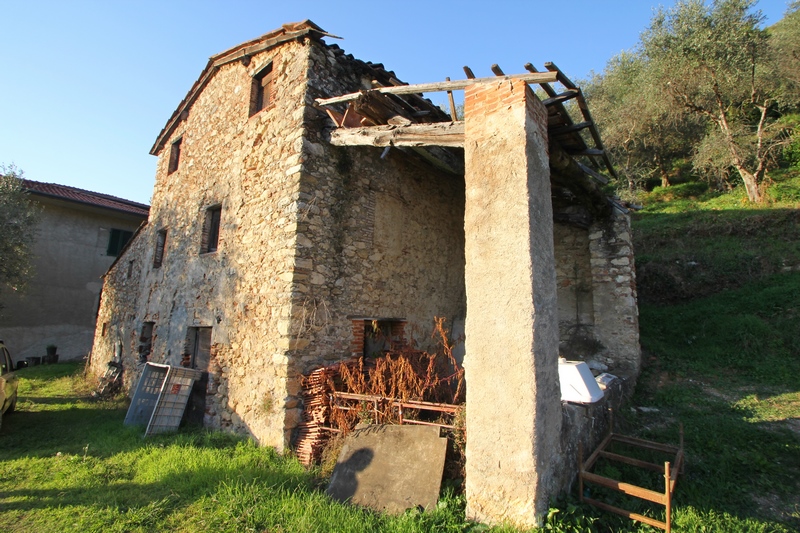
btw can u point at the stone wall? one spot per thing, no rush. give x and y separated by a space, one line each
614 296
248 165
378 238
310 236
574 280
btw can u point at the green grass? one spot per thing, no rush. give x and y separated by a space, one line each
69 464
720 329
691 245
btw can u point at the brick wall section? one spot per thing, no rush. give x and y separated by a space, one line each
357 345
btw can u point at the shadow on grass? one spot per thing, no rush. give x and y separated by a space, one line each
683 256
125 495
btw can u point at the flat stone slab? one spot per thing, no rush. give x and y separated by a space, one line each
390 468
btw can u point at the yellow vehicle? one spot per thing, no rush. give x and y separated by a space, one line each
9 382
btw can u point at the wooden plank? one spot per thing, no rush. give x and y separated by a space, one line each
625 488
436 134
627 514
540 77
545 86
430 406
587 151
569 94
631 461
468 72
453 113
497 70
571 128
646 444
593 173
587 116
565 81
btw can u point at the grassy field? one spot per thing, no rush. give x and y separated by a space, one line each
721 343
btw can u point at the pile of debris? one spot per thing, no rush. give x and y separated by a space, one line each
402 386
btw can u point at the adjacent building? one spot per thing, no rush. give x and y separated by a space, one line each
80 234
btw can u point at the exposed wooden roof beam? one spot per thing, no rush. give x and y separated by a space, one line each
588 151
571 128
569 94
593 173
587 116
545 86
435 134
541 77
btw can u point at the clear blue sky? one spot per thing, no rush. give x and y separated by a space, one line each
87 85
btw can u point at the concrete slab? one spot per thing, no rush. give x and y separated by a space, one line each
390 468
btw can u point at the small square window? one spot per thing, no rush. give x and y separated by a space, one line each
261 94
175 156
210 239
117 240
161 243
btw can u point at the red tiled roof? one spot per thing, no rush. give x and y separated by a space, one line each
72 194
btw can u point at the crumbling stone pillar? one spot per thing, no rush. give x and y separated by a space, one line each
513 400
616 312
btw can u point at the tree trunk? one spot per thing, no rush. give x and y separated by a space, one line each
662 171
750 185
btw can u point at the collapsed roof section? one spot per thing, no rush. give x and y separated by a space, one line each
397 115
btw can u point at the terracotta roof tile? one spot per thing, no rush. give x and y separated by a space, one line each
73 194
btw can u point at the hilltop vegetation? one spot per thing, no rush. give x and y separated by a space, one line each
706 96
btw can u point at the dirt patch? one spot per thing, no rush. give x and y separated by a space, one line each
773 507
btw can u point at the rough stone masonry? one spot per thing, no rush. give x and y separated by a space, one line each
316 241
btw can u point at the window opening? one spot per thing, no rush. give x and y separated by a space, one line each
261 94
117 240
379 336
210 239
146 341
175 156
198 352
161 243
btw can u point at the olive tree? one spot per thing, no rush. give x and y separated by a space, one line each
645 133
18 218
715 62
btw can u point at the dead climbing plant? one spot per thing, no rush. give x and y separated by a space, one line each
402 373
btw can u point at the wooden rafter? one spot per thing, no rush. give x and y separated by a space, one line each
541 77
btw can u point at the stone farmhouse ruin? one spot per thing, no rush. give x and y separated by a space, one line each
302 195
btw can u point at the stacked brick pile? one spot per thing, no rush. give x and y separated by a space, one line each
314 431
